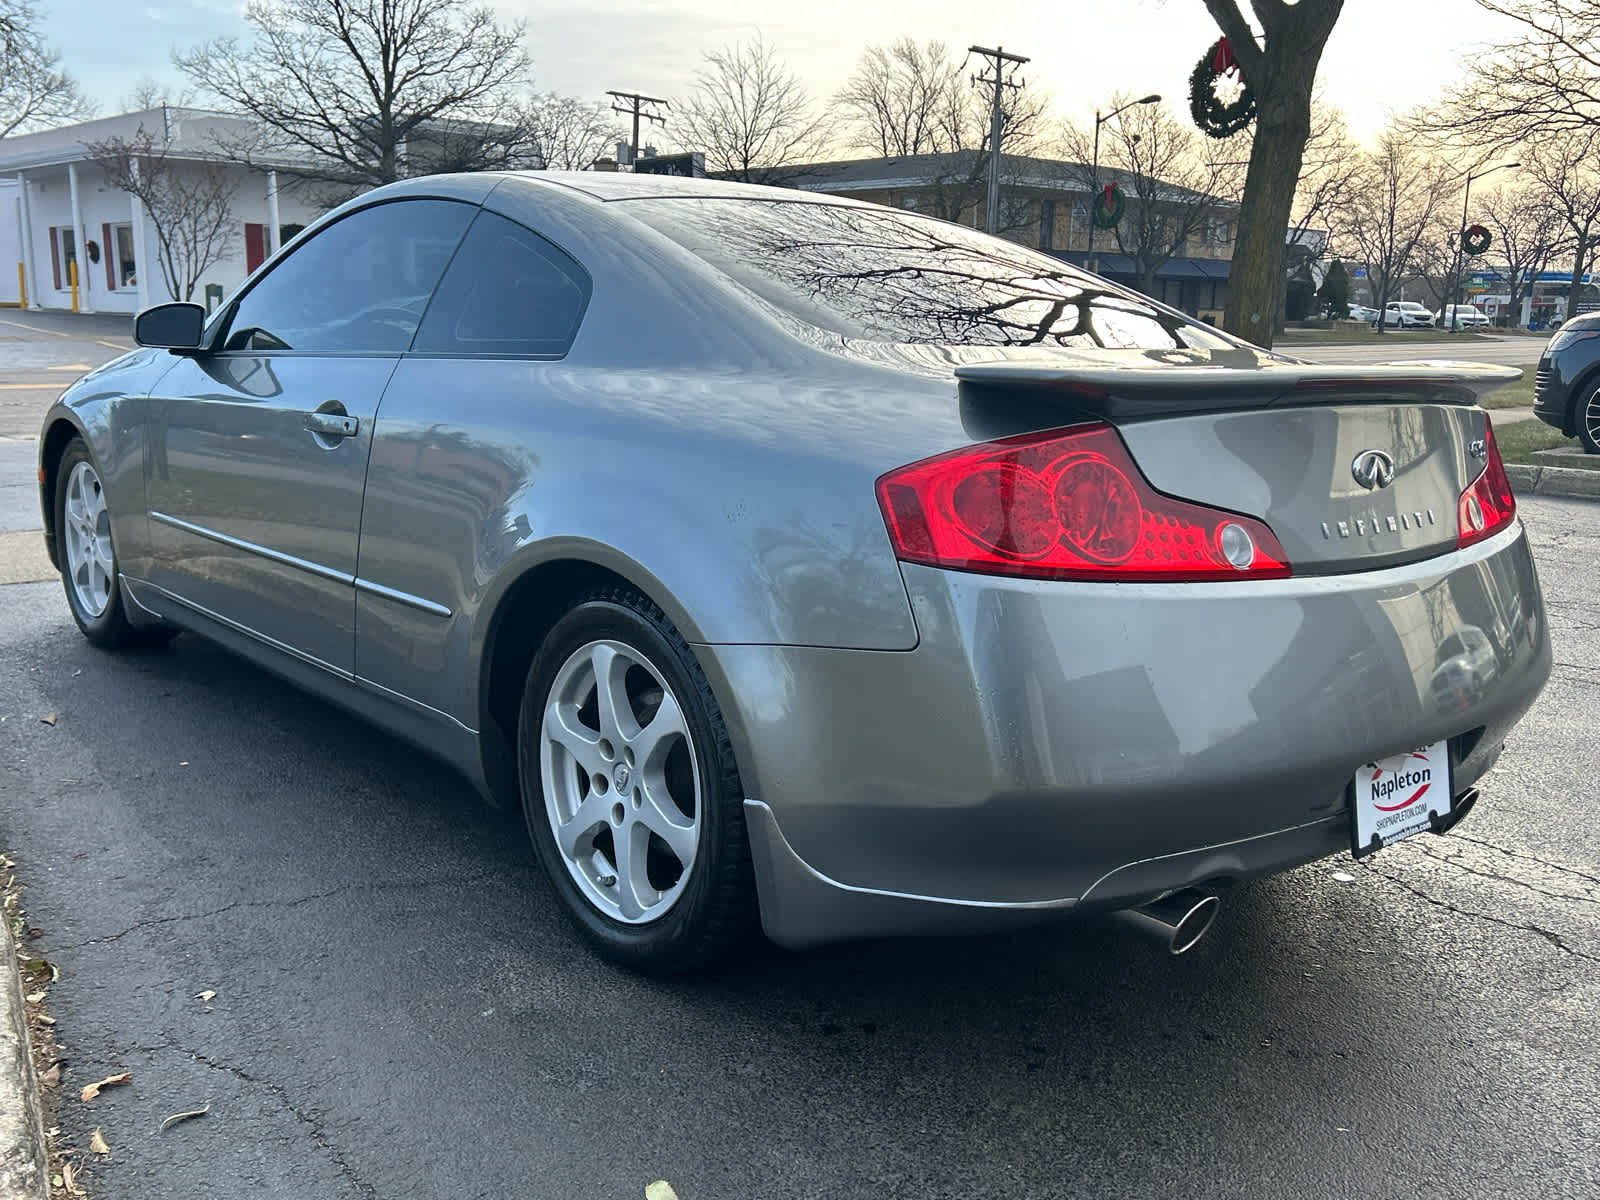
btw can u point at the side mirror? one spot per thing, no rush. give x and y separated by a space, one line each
170 326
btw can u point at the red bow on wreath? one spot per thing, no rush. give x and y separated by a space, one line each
1224 63
1110 199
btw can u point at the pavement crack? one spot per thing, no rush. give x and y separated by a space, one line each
1549 935
318 1134
276 902
1458 836
1452 860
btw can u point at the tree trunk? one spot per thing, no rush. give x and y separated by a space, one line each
1579 259
1283 123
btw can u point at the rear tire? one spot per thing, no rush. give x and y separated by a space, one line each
630 789
88 558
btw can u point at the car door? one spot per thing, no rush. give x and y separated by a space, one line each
257 450
454 446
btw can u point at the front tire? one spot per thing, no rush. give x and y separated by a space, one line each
630 789
1586 417
88 557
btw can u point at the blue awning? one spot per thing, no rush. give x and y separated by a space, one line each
1121 266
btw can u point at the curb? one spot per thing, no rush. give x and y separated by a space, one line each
24 1159
1554 481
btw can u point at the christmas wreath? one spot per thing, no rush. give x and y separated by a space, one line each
1213 117
1475 240
1108 207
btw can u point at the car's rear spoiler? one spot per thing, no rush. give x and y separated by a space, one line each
1150 387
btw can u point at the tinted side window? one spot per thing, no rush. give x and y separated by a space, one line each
508 291
360 284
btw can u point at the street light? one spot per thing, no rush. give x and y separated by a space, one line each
1094 169
1455 287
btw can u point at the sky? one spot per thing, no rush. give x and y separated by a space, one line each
1384 56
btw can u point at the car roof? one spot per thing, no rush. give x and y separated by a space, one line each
614 185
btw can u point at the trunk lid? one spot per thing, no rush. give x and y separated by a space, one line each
1353 467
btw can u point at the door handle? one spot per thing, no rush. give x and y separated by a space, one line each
333 425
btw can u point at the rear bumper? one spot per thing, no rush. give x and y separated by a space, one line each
1051 747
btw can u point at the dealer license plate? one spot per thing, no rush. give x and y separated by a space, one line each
1399 796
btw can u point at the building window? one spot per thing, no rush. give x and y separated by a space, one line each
122 250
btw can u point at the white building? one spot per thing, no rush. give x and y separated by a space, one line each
63 201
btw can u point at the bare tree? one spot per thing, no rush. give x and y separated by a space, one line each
569 134
189 202
1397 197
34 91
149 93
750 115
1528 232
355 87
1563 166
1544 80
1178 184
907 99
1326 172
1281 68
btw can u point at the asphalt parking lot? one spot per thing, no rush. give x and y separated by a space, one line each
260 904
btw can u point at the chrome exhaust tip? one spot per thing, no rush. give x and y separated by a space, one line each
1178 920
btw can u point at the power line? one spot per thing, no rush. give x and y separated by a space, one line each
636 106
998 60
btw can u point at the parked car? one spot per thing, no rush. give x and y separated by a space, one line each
1362 312
1566 388
795 559
1461 316
1407 314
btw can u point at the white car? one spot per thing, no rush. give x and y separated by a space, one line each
1407 314
1362 312
1462 316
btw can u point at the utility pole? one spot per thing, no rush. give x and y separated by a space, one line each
998 60
636 106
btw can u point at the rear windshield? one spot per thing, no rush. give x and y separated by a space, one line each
878 274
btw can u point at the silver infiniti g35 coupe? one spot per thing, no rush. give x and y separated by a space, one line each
805 561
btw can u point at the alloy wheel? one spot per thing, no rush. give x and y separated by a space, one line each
623 788
88 540
1589 423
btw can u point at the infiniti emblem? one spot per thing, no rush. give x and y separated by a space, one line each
1373 469
620 777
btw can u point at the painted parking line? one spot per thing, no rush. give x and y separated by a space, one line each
23 558
35 329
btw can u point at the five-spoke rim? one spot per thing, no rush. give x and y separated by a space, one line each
1591 418
87 525
622 783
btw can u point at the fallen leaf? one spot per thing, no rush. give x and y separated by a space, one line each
185 1116
44 1020
67 1180
55 1181
206 995
660 1190
93 1089
97 1144
34 997
48 719
52 1077
1344 877
185 763
78 672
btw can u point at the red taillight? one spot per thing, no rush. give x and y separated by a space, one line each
1065 505
1487 506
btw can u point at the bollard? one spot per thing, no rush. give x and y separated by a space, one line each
22 287
72 281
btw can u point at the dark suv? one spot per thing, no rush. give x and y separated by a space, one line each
1566 389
